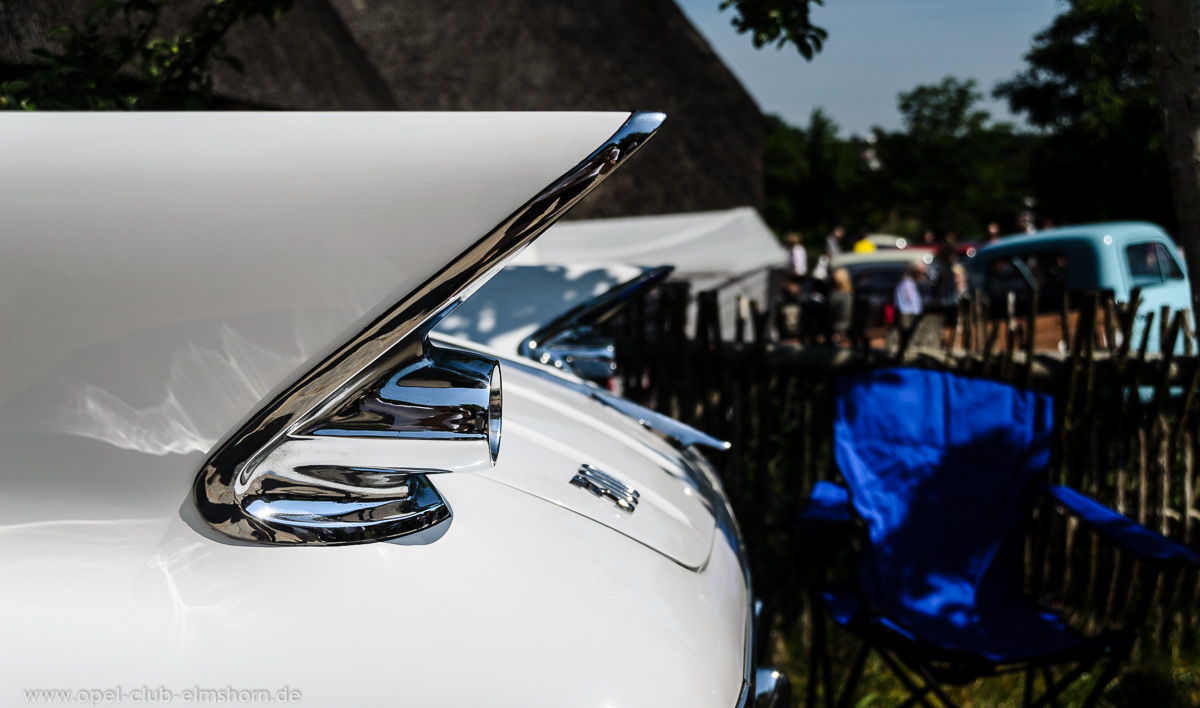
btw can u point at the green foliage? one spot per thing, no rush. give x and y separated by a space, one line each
953 168
778 22
1087 70
120 57
944 111
1089 86
950 168
810 175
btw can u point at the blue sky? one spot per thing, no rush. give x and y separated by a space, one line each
876 49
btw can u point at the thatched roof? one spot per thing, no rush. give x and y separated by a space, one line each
485 55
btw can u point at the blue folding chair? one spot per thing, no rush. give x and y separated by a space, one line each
943 472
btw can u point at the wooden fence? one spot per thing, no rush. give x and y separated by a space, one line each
1127 431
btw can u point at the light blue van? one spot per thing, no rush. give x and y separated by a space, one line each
1114 256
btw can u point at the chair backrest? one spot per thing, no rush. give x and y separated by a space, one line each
942 469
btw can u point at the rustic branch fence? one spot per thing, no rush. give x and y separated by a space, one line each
1127 431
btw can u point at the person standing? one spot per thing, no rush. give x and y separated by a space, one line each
907 295
948 284
993 232
841 308
833 242
820 271
1025 217
789 314
797 258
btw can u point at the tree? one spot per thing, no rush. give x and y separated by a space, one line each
943 111
1088 86
120 57
951 167
785 173
1088 69
812 177
1174 31
779 22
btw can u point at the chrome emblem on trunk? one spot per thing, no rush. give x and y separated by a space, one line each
603 484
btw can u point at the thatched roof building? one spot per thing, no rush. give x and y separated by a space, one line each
480 55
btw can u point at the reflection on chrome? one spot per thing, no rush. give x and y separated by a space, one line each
451 394
772 689
571 341
392 342
375 504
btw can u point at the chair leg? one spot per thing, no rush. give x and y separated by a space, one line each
1106 677
826 665
819 672
816 647
1048 677
918 692
937 689
1027 699
1053 690
856 670
915 699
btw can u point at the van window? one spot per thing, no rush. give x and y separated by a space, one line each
1171 268
1045 270
1142 259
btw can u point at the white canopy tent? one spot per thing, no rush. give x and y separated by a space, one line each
730 250
706 248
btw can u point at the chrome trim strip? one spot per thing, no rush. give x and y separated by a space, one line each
394 334
571 336
682 434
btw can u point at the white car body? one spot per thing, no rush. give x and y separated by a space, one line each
163 277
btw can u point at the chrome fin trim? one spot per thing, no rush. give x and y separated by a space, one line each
388 338
575 330
680 434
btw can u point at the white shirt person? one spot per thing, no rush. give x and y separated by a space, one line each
797 257
907 295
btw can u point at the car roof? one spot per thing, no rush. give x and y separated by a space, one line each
1119 232
890 256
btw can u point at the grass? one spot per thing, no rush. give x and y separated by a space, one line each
1149 683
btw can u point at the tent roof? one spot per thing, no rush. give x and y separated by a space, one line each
703 246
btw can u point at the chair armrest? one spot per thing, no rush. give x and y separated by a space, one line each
1122 530
828 505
